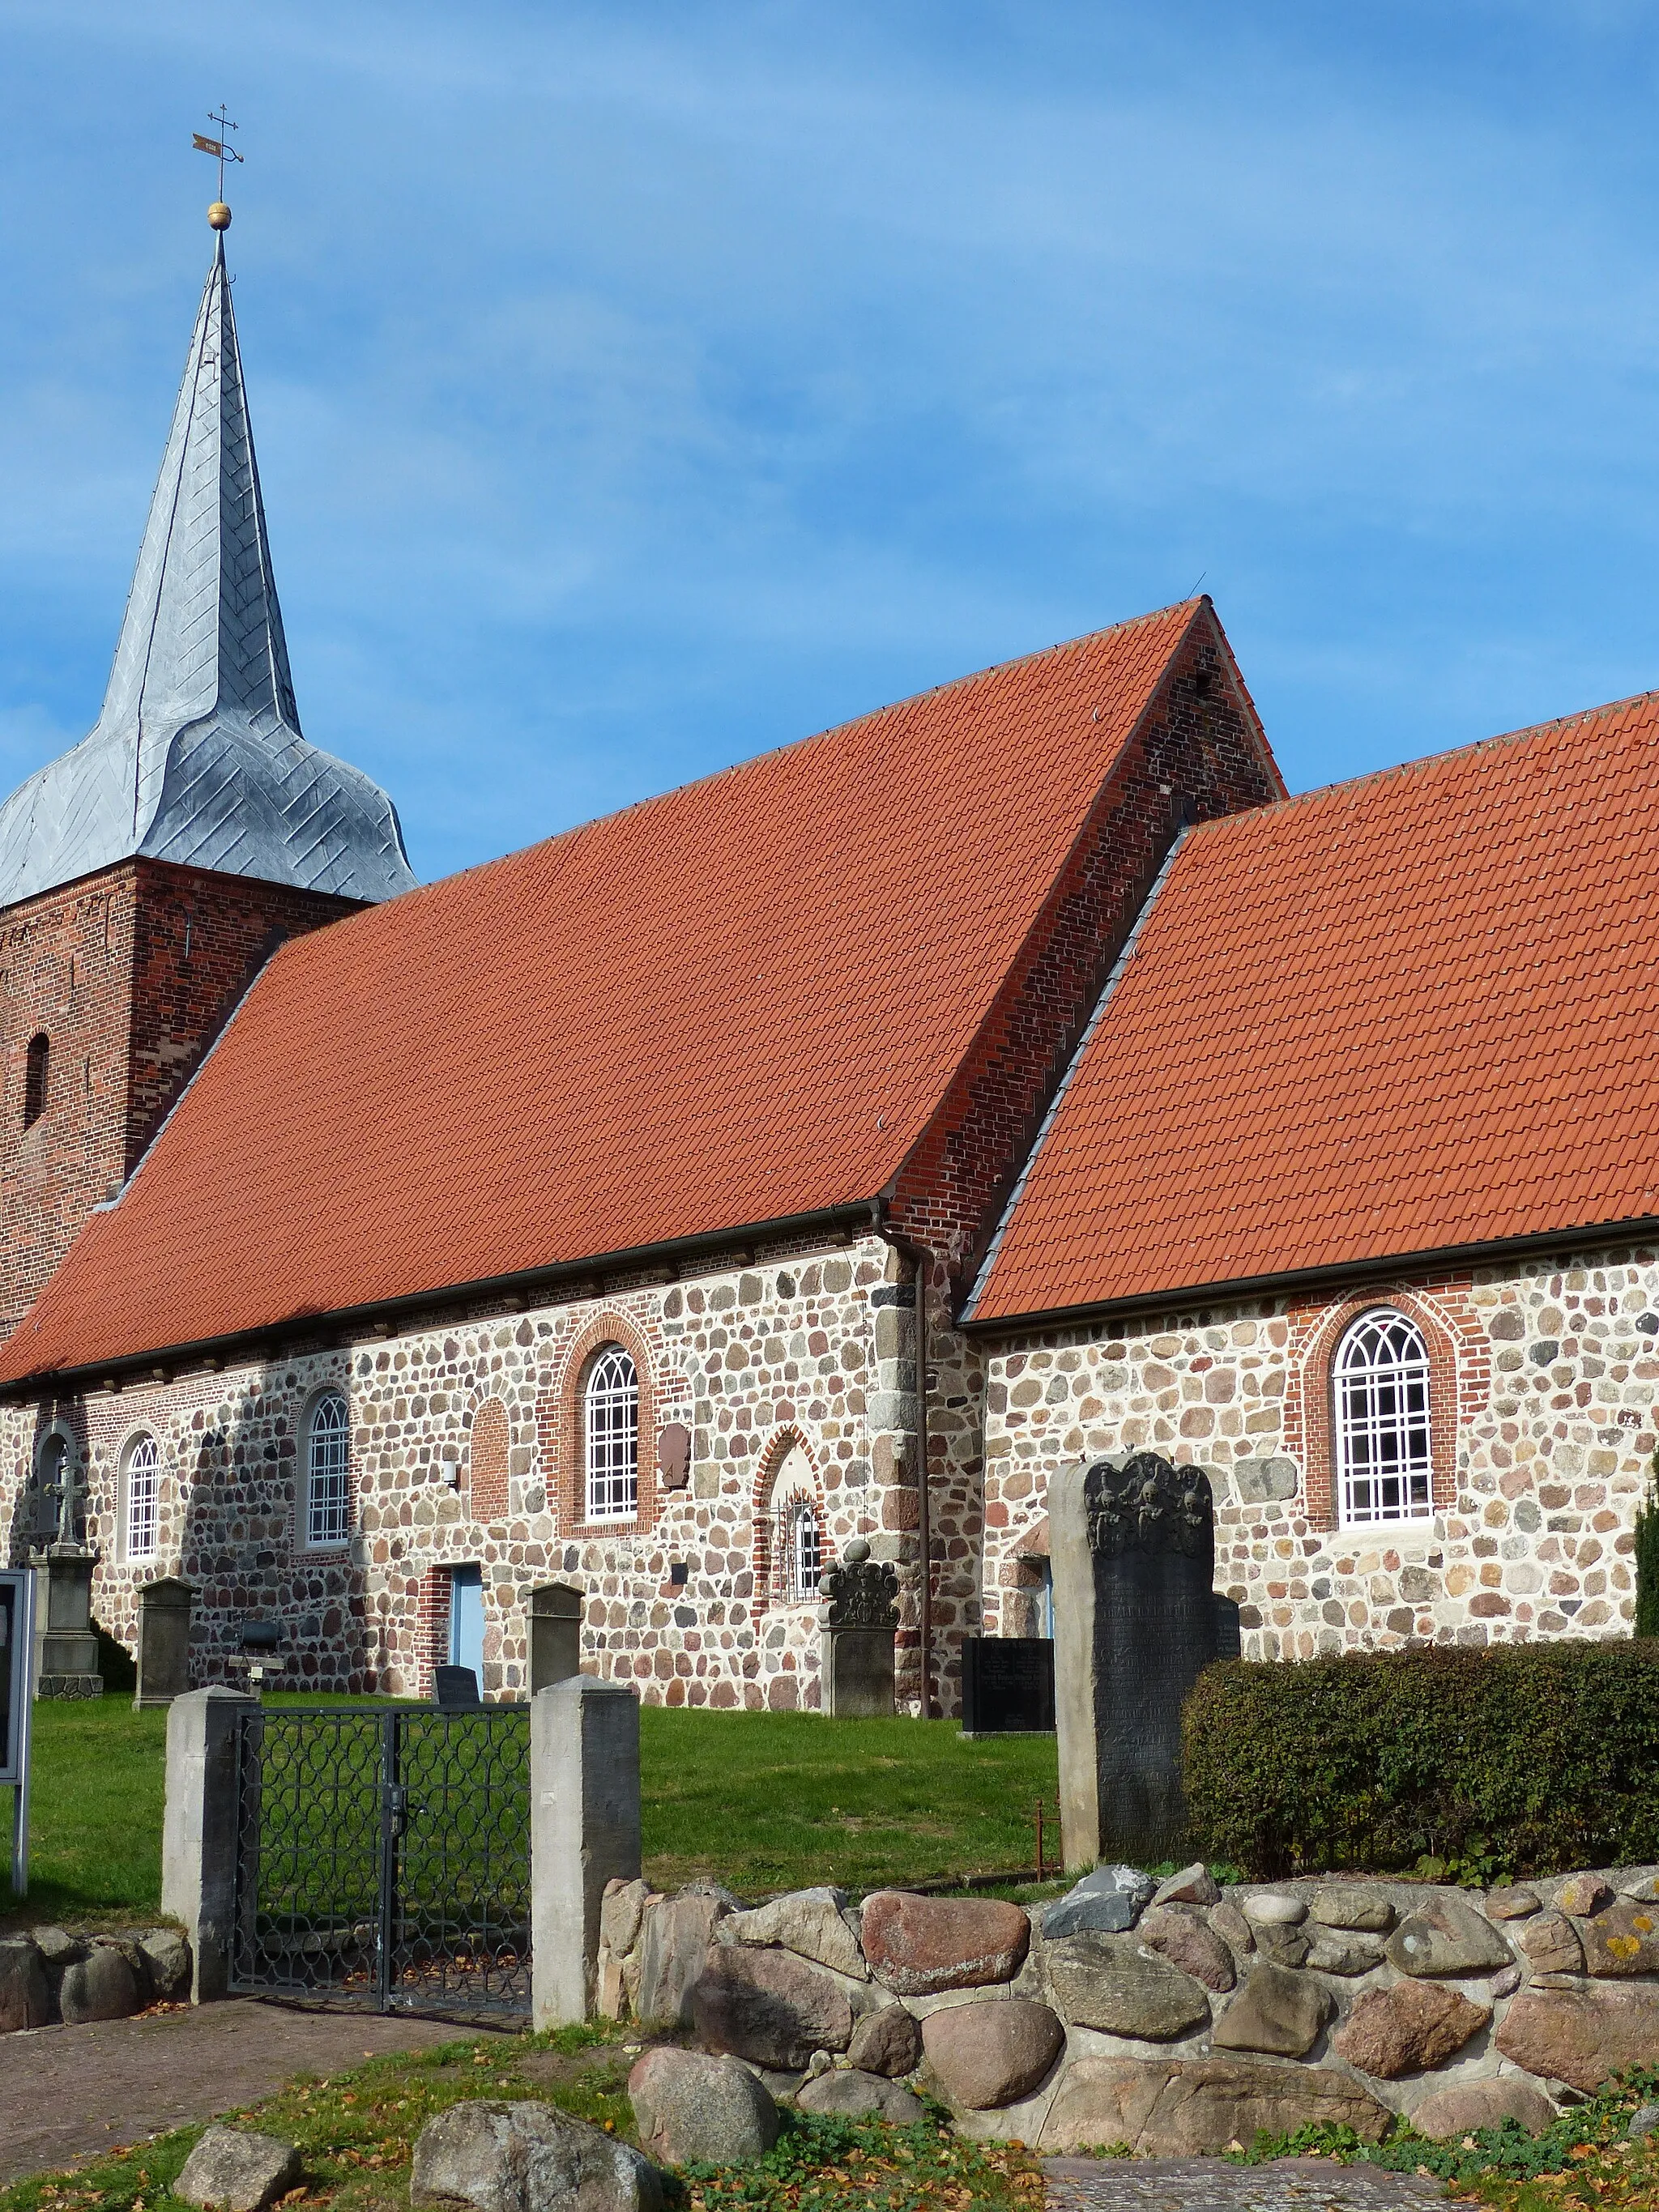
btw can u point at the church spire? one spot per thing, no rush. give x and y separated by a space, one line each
198 755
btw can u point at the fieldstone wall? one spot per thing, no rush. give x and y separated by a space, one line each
1544 1379
798 1365
48 1975
1174 2020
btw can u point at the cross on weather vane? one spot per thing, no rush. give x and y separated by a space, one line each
218 214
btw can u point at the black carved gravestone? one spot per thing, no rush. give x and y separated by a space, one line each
1007 1686
1133 1543
861 1626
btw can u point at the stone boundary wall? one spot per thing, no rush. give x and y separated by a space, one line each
1544 1376
1177 2020
48 1975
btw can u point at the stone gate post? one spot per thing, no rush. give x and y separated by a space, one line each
198 1831
584 1831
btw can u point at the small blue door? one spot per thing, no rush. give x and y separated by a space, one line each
466 1619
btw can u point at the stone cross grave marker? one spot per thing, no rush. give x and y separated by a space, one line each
1133 1543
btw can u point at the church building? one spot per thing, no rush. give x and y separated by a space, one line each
830 1148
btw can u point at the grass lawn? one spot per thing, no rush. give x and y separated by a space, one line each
764 1801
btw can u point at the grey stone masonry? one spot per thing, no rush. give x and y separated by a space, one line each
788 1378
1543 1382
1178 2029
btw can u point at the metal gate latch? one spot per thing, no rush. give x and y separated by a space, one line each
397 1805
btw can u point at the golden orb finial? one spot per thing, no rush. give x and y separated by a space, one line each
219 216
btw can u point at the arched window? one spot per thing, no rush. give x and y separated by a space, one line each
328 1484
610 1430
143 1489
1382 1378
800 1549
35 1071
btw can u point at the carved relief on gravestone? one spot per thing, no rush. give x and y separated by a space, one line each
860 1592
1133 1543
861 1620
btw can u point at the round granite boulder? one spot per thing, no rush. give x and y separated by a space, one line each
992 2053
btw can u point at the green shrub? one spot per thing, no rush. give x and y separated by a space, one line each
1515 1760
1647 1558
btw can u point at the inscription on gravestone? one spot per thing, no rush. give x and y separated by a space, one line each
861 1626
1133 1543
1007 1684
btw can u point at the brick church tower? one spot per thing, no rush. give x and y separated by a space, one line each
148 874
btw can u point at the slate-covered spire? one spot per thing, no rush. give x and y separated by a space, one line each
197 755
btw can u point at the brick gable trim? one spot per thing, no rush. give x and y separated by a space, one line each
1193 752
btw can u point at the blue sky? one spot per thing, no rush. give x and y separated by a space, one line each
639 385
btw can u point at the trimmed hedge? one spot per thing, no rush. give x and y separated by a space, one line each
1647 1558
1522 1758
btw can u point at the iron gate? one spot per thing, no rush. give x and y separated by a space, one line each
383 1857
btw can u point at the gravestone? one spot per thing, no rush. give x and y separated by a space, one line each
556 1635
1133 1542
1007 1686
455 1690
859 1626
65 1657
1229 1628
163 1642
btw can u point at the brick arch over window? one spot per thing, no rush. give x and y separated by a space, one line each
563 1440
764 1499
1447 1357
487 1462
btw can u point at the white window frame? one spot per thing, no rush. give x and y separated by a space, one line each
1381 1421
141 1498
802 1547
328 1472
610 1436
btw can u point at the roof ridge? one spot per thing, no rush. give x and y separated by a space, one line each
576 830
1423 762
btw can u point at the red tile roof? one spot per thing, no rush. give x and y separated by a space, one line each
1409 1013
733 1004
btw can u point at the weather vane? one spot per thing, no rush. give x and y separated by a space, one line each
218 214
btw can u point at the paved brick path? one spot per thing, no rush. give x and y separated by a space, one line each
1214 2185
68 2092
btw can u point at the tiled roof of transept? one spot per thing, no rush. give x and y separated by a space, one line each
1406 1014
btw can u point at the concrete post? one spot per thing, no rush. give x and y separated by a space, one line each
584 1831
198 1831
